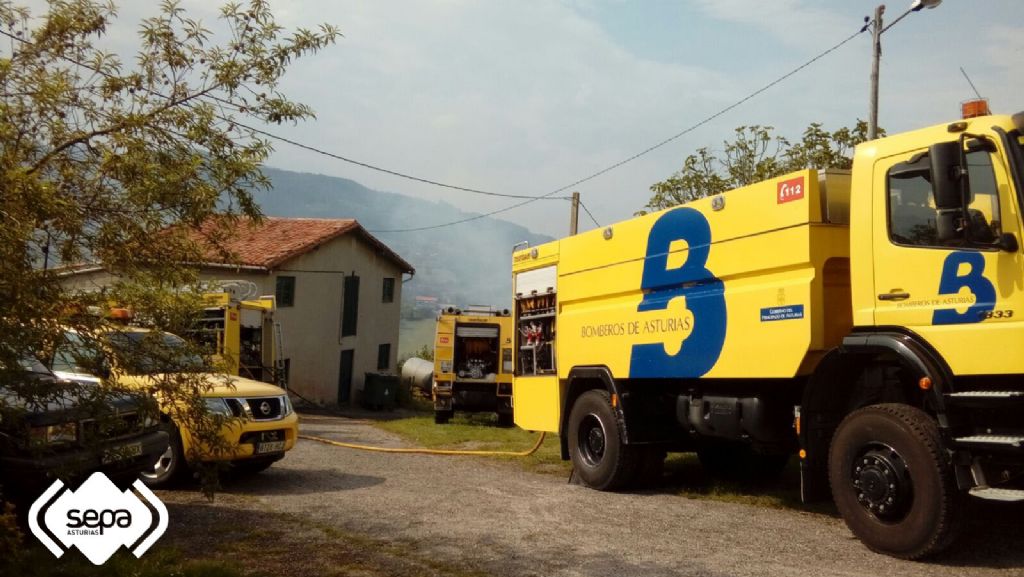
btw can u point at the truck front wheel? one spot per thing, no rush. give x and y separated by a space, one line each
893 483
171 466
600 458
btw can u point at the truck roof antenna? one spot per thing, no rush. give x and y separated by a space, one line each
964 72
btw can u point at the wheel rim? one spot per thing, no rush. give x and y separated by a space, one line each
882 483
592 440
162 465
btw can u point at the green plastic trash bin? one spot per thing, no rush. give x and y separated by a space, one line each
380 391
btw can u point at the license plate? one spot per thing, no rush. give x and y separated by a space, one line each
122 453
272 447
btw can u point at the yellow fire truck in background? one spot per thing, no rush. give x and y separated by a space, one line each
243 335
473 363
869 320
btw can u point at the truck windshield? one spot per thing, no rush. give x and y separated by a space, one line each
1019 138
1016 144
147 353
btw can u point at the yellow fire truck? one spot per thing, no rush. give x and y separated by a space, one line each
868 320
473 363
243 335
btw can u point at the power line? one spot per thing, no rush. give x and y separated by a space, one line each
309 147
388 171
528 199
652 148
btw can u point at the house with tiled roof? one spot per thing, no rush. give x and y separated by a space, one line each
338 292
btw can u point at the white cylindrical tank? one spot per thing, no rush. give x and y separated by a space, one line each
417 372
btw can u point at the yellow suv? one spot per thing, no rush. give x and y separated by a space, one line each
260 424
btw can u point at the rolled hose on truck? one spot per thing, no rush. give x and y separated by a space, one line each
425 451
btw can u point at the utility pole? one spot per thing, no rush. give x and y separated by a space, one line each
574 214
876 55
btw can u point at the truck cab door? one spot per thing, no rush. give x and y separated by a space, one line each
963 296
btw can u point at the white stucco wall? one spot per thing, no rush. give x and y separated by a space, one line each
311 328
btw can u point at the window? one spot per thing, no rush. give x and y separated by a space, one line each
912 214
285 293
389 290
350 306
384 357
985 226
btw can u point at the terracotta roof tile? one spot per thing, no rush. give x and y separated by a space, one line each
277 239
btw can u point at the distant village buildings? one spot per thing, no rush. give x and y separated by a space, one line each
338 291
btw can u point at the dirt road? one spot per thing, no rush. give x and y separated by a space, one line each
489 517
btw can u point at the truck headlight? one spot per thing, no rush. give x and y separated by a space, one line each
218 406
286 406
54 434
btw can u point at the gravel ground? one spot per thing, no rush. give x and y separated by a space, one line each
489 517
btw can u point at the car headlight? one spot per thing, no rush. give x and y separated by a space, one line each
218 406
54 434
286 406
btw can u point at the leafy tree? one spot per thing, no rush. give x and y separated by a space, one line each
115 163
754 155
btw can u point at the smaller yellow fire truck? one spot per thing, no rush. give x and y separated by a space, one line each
243 335
473 363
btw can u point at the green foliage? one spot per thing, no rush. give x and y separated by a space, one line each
756 154
10 536
117 164
426 353
479 432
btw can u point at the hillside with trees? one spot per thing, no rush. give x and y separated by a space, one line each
464 264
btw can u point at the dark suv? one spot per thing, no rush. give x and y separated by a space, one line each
73 432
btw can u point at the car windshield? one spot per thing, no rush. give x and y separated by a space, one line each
73 355
33 365
150 353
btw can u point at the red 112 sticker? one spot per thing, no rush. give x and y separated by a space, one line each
790 190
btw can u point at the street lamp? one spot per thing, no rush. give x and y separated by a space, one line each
876 33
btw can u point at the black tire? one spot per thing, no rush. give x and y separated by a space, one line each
171 467
893 483
442 417
736 461
506 420
599 457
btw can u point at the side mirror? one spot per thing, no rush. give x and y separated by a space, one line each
1008 242
948 183
103 369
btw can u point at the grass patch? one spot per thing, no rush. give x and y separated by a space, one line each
35 561
480 432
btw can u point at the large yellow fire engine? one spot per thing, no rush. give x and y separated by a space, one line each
869 320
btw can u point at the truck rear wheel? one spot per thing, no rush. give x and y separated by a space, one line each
893 483
601 460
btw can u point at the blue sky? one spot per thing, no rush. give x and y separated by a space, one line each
525 97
